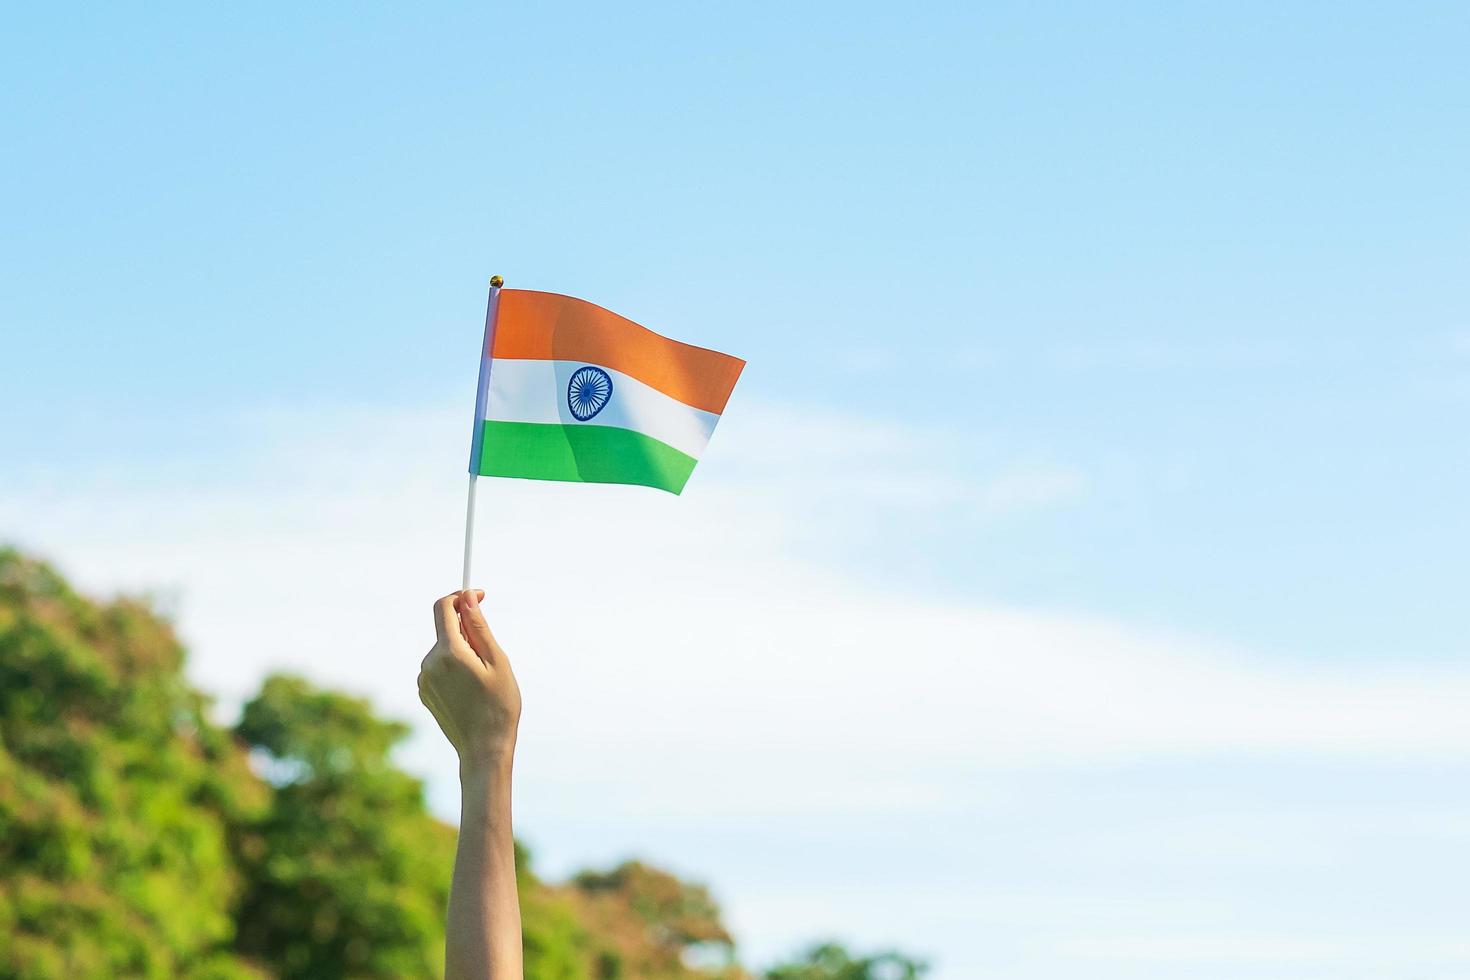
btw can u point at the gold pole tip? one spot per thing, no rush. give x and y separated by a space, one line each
496 282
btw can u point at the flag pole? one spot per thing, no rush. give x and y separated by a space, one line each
469 534
477 436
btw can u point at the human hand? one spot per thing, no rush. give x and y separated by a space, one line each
466 683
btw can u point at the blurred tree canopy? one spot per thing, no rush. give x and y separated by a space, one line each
829 961
345 871
140 839
117 796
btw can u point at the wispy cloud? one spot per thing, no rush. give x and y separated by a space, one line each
318 549
702 636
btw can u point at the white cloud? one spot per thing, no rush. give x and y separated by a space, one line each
1233 950
321 550
682 659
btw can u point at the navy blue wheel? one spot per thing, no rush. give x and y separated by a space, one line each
588 392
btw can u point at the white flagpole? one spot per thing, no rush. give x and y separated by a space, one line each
469 533
476 437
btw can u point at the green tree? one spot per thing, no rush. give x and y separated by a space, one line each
649 924
137 840
830 961
348 874
116 794
557 944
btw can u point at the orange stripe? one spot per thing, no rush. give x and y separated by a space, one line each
547 326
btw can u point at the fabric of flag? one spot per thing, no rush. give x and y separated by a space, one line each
571 391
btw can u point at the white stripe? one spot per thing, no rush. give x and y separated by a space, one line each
536 391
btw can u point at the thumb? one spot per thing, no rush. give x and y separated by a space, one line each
476 629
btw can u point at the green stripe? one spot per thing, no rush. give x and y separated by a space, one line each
581 454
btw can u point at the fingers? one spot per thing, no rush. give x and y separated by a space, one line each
462 630
446 619
476 630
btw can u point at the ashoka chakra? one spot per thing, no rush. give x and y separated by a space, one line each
588 392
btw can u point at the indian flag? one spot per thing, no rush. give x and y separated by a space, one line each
571 391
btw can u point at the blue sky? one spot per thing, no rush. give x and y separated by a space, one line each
1150 317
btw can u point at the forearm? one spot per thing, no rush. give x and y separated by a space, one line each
483 940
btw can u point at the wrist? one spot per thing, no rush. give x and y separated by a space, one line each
486 769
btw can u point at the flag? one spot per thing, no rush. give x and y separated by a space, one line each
571 391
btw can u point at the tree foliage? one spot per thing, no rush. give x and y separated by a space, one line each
140 839
347 874
830 961
651 924
117 796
